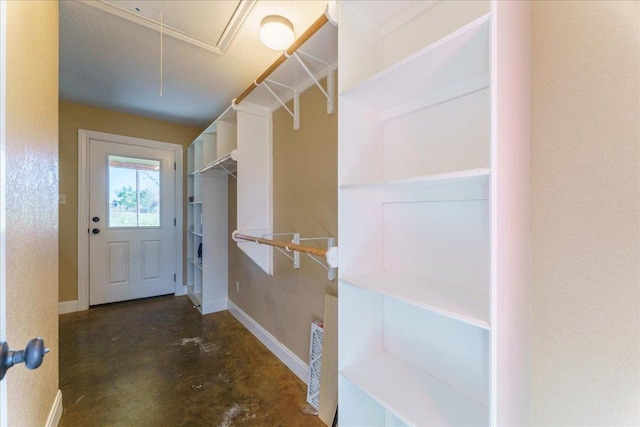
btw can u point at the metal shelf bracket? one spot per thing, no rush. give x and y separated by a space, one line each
292 255
331 257
328 93
296 98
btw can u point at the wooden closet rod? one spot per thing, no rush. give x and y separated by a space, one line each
296 44
283 245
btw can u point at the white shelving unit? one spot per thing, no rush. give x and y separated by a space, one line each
210 159
433 213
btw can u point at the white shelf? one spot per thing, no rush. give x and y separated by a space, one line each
195 233
228 115
452 66
195 203
323 45
413 395
227 163
443 181
196 264
457 303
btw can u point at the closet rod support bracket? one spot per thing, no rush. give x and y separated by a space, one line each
295 114
327 93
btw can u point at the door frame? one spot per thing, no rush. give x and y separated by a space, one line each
84 138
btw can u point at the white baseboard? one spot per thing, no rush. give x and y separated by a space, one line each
287 357
56 411
65 307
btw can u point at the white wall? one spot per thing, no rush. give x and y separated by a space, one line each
585 198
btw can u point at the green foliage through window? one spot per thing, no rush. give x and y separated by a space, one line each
134 192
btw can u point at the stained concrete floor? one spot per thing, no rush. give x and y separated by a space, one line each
158 362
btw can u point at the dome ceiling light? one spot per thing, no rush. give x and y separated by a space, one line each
276 32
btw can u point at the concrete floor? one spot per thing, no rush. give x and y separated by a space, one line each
158 362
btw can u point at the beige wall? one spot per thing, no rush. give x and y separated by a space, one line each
585 199
304 200
31 204
76 116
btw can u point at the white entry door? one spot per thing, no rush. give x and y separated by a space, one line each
131 222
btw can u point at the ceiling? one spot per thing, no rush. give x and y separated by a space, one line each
116 55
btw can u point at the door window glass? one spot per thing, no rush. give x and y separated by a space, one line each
134 192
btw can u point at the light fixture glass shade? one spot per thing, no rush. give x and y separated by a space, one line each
276 32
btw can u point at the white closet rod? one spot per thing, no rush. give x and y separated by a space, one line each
220 163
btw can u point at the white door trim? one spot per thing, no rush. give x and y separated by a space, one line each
84 136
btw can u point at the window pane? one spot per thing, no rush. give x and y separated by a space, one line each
134 192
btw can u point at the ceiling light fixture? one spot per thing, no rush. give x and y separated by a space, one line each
276 32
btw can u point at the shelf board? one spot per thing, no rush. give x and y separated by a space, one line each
419 76
196 264
195 203
229 115
449 180
413 395
323 45
228 163
194 233
461 304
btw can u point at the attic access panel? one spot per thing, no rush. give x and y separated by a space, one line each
210 25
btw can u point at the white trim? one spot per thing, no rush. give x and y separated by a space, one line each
287 357
56 411
65 307
83 222
177 212
231 29
84 136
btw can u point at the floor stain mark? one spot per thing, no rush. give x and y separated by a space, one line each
204 347
231 413
223 376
